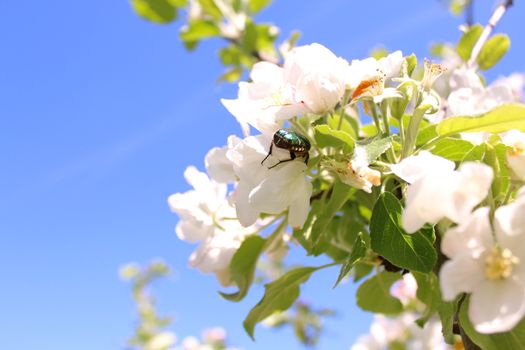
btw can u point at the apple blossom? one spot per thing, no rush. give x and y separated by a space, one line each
264 102
219 166
492 271
206 216
161 341
316 76
355 172
405 289
403 332
264 190
516 83
370 68
437 191
311 80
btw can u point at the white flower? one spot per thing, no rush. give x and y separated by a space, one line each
405 290
516 83
356 172
471 101
312 80
218 166
401 331
370 68
263 190
493 272
206 216
161 341
316 76
516 154
436 190
266 101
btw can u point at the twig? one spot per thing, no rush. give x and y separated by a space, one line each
469 13
493 21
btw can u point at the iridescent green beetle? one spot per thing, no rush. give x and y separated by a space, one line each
297 144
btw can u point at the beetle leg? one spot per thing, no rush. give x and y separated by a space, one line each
292 157
269 153
306 158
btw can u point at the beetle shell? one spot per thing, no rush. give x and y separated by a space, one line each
290 140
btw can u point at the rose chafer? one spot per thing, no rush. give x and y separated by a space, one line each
297 144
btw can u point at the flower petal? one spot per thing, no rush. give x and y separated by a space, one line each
461 274
497 306
474 235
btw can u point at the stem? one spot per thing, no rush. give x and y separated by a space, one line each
469 13
413 129
493 21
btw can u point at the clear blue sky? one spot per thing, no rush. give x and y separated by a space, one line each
100 113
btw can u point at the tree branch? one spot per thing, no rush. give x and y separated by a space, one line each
493 21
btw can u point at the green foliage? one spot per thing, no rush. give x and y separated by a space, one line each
500 119
242 266
325 136
468 40
198 30
374 294
157 11
358 252
409 251
453 149
257 5
317 234
493 50
514 339
278 296
372 148
429 293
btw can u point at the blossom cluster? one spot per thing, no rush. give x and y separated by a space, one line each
318 120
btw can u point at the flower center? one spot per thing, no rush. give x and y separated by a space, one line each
499 263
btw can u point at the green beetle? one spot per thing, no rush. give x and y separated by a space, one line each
297 144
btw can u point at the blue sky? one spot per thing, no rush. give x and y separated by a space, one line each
100 113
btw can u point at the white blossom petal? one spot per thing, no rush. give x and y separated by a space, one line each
461 274
413 167
219 167
497 306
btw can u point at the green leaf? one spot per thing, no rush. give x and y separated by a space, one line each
429 293
279 295
209 8
372 148
358 252
411 63
426 133
515 339
409 251
319 228
453 149
198 30
493 50
468 40
477 153
231 75
348 125
257 5
362 270
500 119
242 266
157 11
328 137
374 294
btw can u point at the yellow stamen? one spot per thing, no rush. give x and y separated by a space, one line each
499 263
